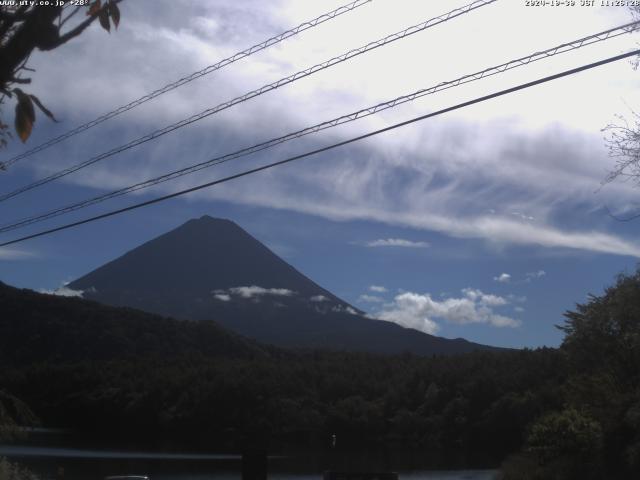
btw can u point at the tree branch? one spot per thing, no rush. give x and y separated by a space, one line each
17 16
75 10
32 32
78 29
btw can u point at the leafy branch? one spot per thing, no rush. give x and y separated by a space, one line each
25 28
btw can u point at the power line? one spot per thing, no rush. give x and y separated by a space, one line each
266 88
329 147
189 78
522 61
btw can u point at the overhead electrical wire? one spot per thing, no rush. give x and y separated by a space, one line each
522 61
189 78
266 88
327 148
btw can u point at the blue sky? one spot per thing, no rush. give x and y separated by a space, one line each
486 224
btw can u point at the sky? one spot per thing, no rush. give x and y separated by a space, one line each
486 223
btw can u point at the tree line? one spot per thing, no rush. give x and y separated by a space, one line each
570 412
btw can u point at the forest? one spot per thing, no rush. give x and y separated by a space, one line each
570 412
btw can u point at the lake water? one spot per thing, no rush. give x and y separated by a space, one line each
94 464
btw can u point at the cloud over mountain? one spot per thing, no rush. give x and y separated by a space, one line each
15 254
64 291
255 291
319 299
210 269
419 311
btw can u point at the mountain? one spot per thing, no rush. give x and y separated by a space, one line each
211 269
39 328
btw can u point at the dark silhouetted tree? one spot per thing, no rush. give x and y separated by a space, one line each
623 138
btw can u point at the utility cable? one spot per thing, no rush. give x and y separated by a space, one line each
327 148
563 48
266 88
189 78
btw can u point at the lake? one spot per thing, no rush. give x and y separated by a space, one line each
90 464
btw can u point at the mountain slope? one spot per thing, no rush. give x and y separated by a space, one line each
36 327
191 263
211 269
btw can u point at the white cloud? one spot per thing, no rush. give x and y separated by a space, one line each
252 291
522 216
410 311
344 309
396 242
377 288
516 298
534 275
528 277
519 309
15 254
483 298
503 278
319 298
418 311
370 299
533 159
503 321
64 291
